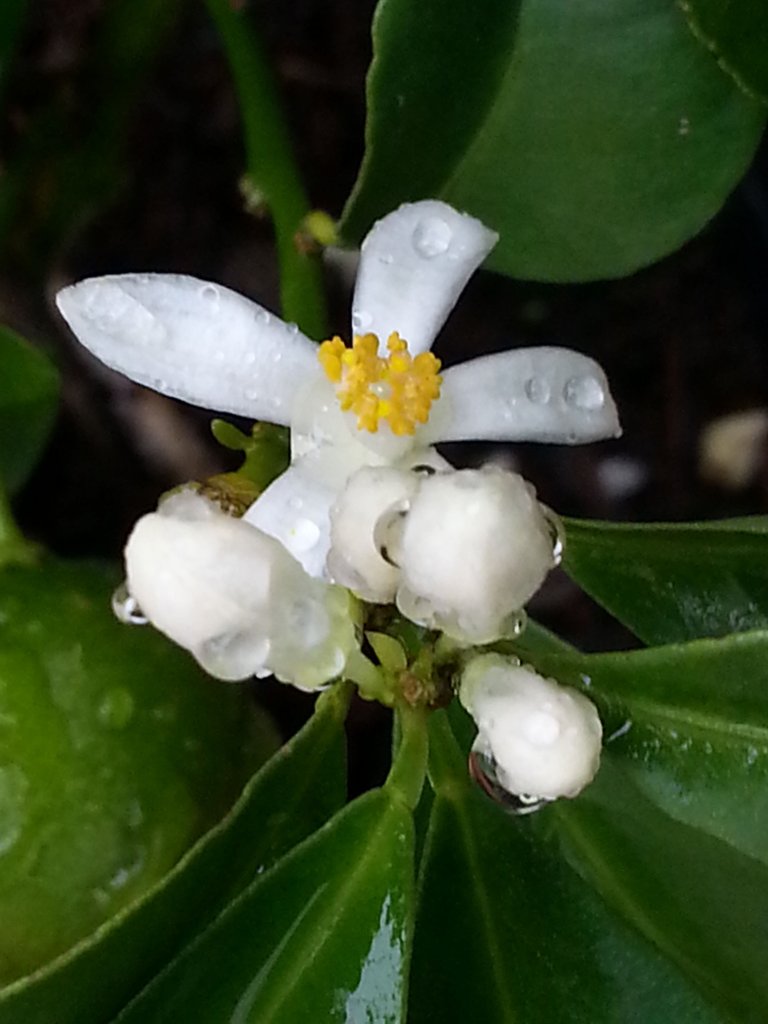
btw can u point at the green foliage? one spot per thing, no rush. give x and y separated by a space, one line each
589 135
736 33
29 391
132 756
674 582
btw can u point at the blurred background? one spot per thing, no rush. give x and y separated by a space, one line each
121 150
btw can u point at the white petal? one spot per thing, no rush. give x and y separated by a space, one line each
295 508
530 394
541 739
414 265
192 340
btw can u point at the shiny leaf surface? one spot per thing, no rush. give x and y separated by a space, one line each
522 937
29 391
736 34
590 136
91 757
323 936
674 582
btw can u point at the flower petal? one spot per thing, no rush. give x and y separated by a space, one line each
192 340
531 394
413 267
295 508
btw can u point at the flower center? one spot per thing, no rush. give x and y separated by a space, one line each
398 389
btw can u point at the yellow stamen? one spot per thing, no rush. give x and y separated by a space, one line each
398 390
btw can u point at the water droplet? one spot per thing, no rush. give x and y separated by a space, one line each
515 624
210 294
116 708
361 320
683 126
295 502
584 393
538 390
483 770
293 328
432 237
556 532
125 607
388 531
304 535
386 258
262 316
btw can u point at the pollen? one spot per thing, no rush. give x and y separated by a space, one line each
398 389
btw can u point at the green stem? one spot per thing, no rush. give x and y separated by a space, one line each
271 165
409 769
15 549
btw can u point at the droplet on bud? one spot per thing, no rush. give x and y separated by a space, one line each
482 769
557 532
126 608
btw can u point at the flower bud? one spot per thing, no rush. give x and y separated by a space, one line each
234 597
537 739
473 548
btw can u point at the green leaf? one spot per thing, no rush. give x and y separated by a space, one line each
323 936
691 723
590 135
674 582
29 391
736 33
701 902
506 931
79 775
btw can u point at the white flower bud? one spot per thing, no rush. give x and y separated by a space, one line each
354 559
234 597
474 546
541 740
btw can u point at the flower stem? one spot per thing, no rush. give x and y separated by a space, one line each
271 165
409 768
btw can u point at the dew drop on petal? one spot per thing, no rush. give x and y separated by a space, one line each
556 532
584 393
293 328
361 320
483 771
386 258
126 608
432 237
304 535
210 294
538 390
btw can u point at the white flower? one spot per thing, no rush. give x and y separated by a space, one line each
234 597
209 346
538 740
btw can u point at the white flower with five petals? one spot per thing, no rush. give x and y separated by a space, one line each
209 346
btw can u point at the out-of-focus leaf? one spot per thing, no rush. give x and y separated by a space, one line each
29 391
271 165
700 901
674 582
691 722
131 752
506 931
736 34
590 135
323 936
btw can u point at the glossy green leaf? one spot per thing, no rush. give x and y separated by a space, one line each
691 722
702 903
590 135
323 936
674 582
506 931
89 737
736 34
29 391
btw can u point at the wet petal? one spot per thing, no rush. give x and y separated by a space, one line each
531 394
295 508
414 265
192 340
